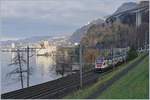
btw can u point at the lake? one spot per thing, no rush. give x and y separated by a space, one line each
42 70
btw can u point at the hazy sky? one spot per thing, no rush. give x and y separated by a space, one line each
26 18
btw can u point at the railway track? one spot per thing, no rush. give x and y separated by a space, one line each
57 88
53 89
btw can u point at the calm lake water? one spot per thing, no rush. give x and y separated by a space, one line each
42 70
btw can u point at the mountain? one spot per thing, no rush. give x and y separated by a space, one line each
26 40
79 33
126 6
32 40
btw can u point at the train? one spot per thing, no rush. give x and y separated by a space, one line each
105 63
119 57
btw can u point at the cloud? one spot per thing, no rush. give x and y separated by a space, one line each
55 9
56 15
49 8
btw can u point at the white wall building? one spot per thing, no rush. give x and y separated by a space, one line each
47 50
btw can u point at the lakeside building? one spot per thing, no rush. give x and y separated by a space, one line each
46 49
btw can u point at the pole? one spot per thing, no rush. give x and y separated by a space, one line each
81 66
28 69
113 57
145 42
21 76
138 45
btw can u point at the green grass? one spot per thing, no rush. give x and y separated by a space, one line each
133 85
84 93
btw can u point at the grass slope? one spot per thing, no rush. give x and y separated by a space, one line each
84 93
133 85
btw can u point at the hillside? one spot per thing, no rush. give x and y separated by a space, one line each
119 34
79 33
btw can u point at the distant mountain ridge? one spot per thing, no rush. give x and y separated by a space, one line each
26 40
31 40
79 33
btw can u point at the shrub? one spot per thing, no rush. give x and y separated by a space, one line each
132 53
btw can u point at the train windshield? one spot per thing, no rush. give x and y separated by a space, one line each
99 60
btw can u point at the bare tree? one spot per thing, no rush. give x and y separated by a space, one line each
18 60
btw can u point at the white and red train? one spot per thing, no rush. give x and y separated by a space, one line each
103 63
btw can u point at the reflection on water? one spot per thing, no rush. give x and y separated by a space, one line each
12 56
46 64
43 71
